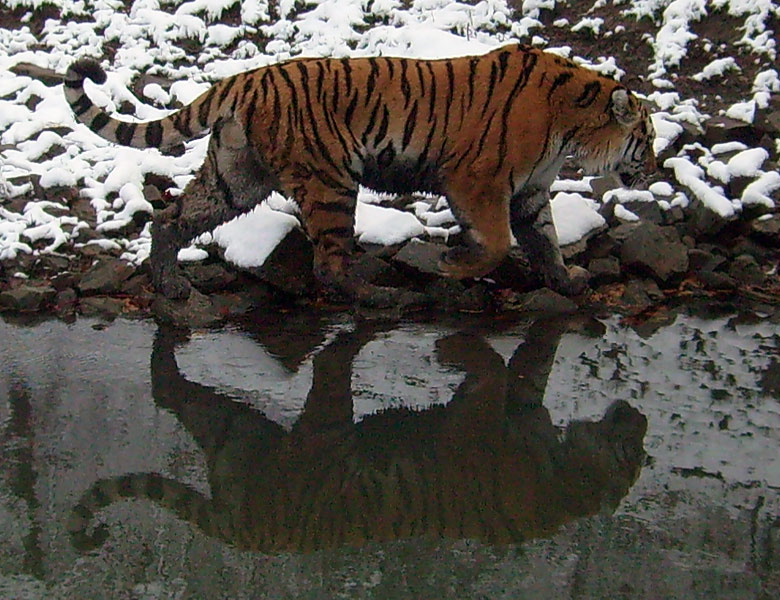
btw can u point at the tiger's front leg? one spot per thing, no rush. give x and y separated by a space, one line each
532 225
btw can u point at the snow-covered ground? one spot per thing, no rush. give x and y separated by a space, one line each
182 46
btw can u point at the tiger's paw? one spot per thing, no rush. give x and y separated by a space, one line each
460 262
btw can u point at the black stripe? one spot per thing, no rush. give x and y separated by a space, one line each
529 64
482 138
205 107
332 208
588 95
74 83
125 132
421 160
181 123
380 135
433 91
336 91
339 232
293 93
560 80
82 105
420 77
276 122
472 76
386 156
371 121
347 73
411 122
371 83
226 90
154 133
320 80
390 67
406 89
491 88
100 121
315 130
224 188
450 93
503 63
350 110
250 113
264 84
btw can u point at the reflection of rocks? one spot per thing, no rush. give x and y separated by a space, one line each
490 465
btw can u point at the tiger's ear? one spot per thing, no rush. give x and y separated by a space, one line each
625 107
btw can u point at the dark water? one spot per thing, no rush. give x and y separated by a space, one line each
323 456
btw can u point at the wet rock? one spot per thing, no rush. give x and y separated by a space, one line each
544 301
640 294
234 304
655 250
766 230
27 298
420 256
195 311
105 277
454 295
107 308
746 270
604 270
209 277
289 267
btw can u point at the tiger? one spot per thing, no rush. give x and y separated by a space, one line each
490 465
488 132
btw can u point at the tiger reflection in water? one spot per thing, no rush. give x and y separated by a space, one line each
489 465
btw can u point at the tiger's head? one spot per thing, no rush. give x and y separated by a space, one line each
624 143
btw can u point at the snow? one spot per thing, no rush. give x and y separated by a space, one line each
39 138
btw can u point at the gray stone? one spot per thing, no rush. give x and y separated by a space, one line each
703 220
722 129
27 298
655 250
766 231
544 301
289 267
703 260
420 256
713 280
746 270
107 308
604 184
640 294
646 211
604 270
195 311
209 278
105 277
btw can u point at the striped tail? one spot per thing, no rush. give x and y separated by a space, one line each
168 132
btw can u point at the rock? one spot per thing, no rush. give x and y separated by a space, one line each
766 231
107 308
604 184
746 270
209 277
655 250
66 300
289 267
646 211
46 76
720 129
105 277
675 214
195 311
703 260
64 280
544 301
27 298
453 295
372 269
713 280
604 270
234 304
640 294
420 256
703 221
618 235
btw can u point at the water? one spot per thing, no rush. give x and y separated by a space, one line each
323 456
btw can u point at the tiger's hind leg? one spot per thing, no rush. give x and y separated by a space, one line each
533 228
231 181
483 214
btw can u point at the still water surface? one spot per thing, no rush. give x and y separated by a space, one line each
324 456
